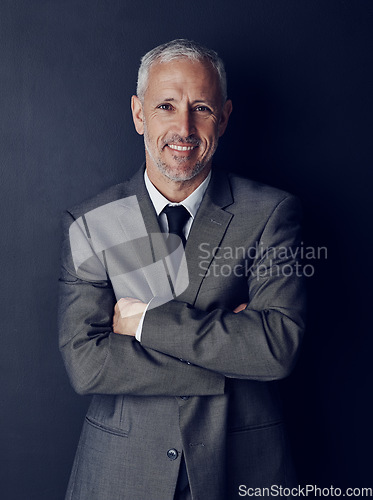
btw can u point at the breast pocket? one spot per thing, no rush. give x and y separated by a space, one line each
222 292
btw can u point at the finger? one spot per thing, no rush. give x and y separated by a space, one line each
240 308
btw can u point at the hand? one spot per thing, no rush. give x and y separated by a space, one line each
240 308
127 315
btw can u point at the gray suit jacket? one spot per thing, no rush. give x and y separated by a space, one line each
203 380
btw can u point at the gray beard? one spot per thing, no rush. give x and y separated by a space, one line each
169 172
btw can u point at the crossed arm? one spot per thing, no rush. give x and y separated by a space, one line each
183 350
128 312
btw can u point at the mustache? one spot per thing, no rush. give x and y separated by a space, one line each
174 139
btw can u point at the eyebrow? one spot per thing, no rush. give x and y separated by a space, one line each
172 99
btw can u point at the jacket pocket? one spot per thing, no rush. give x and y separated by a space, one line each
235 430
106 428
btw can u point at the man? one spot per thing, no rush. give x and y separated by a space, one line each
181 352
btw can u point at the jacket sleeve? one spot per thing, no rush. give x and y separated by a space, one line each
98 361
262 341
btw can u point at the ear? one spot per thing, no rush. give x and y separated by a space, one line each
224 117
137 114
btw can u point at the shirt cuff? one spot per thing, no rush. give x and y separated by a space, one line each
139 328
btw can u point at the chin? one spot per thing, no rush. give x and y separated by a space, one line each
180 174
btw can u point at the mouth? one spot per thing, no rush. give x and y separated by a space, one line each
177 147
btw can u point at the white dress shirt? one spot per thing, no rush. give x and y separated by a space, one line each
191 203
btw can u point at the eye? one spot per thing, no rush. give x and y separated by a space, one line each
203 109
166 107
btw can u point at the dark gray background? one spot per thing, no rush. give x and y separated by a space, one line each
300 76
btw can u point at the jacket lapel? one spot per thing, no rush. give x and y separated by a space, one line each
158 250
208 229
148 246
152 252
136 185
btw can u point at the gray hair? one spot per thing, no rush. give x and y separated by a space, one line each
179 49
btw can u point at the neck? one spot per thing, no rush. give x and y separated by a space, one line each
176 191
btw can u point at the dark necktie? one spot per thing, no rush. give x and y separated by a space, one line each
177 217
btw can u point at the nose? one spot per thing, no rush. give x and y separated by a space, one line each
185 123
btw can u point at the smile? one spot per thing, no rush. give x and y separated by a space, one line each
181 148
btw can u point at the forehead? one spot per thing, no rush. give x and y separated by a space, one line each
183 77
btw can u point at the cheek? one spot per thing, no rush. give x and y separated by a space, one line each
154 123
154 136
210 132
212 139
159 132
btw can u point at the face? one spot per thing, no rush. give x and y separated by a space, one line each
181 118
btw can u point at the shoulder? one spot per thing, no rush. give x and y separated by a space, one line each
113 193
123 190
264 210
258 197
254 191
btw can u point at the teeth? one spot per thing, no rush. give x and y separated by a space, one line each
180 148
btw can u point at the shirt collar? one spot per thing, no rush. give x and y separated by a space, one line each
191 203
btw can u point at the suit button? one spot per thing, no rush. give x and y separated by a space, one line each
184 397
172 454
